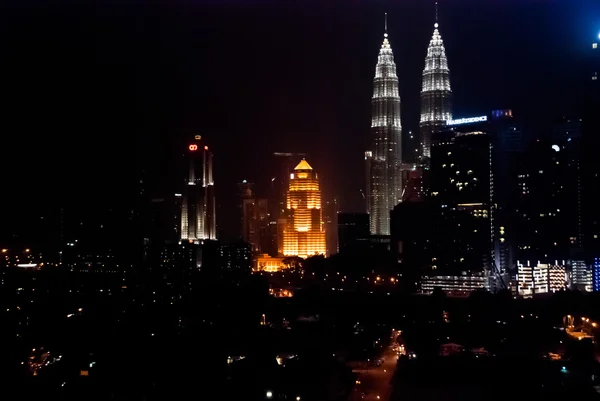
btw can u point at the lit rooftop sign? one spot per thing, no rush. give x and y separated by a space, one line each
470 120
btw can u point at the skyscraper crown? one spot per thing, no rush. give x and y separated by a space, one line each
436 62
303 165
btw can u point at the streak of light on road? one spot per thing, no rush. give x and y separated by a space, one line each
375 383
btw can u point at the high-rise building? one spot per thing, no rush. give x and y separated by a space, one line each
284 163
436 94
385 179
507 150
549 227
304 235
581 276
198 196
255 220
330 222
596 274
462 188
352 229
590 160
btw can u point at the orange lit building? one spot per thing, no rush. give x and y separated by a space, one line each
304 235
269 264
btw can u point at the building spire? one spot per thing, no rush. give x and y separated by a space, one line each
385 34
436 14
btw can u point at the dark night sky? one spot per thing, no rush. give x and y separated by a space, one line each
92 91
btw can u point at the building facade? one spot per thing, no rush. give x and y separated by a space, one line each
257 229
198 214
384 184
436 94
461 285
590 159
541 278
507 151
462 189
304 235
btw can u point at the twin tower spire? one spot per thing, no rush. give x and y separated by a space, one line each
384 160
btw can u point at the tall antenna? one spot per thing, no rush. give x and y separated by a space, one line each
436 12
385 22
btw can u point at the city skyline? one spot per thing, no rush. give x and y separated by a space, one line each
339 118
390 200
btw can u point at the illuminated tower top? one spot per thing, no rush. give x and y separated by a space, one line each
436 94
385 86
304 191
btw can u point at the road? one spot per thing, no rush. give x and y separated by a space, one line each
374 384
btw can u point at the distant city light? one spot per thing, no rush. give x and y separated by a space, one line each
193 147
269 394
556 148
198 137
467 120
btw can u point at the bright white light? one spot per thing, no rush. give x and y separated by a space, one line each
556 148
435 25
269 394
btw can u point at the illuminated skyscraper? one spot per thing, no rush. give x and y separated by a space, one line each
436 95
198 204
385 180
304 235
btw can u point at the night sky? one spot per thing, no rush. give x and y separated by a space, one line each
95 92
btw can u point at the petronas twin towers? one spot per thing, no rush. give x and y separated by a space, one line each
384 160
